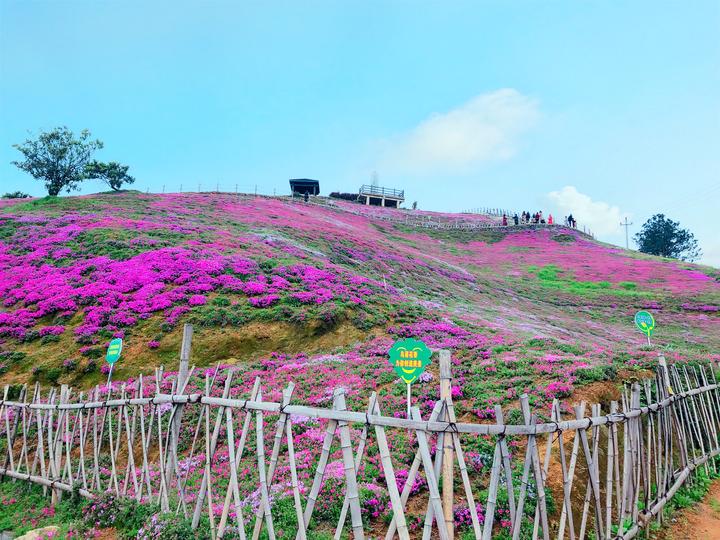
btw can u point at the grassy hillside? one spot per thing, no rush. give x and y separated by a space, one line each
283 287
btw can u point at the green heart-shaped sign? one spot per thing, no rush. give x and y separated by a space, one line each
113 351
409 358
645 322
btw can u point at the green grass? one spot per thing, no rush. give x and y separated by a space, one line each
553 277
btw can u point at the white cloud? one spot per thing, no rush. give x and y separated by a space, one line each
598 216
486 128
711 254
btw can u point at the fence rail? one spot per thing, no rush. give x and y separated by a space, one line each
617 470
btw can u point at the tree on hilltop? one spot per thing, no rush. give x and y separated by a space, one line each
664 237
58 158
113 173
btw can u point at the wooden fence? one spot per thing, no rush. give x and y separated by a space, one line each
613 470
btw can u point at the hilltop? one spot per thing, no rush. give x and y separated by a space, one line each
316 293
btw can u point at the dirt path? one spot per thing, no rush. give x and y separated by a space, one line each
701 522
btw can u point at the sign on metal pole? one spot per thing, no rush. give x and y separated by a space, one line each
113 355
646 323
409 358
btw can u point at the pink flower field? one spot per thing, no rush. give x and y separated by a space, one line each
269 280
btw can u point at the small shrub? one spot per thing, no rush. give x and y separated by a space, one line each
70 365
564 238
597 373
627 285
91 352
52 375
14 391
169 527
12 357
91 366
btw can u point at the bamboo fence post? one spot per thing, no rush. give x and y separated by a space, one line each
209 451
319 471
130 469
52 474
523 489
412 474
626 471
701 379
163 491
372 408
95 484
5 408
351 486
492 493
240 448
593 482
264 497
609 473
567 484
437 471
14 431
386 461
546 466
25 428
67 440
535 463
448 446
698 416
211 446
294 481
119 422
280 428
505 452
435 500
182 379
469 497
40 449
594 470
239 521
145 443
82 473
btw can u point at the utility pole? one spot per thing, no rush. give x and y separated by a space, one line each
627 226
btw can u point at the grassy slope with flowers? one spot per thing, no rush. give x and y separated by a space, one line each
316 294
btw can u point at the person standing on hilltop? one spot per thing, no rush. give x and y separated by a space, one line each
504 220
515 218
550 219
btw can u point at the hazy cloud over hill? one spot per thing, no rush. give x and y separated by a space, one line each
486 128
599 216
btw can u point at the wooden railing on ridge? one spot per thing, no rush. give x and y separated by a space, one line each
636 455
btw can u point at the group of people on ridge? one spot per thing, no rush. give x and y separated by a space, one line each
537 218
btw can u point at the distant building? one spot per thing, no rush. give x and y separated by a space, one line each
380 196
301 186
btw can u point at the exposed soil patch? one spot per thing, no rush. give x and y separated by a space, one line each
701 522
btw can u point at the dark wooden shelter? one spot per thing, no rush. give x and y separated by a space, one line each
301 186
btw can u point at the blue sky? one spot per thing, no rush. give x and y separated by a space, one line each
602 108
